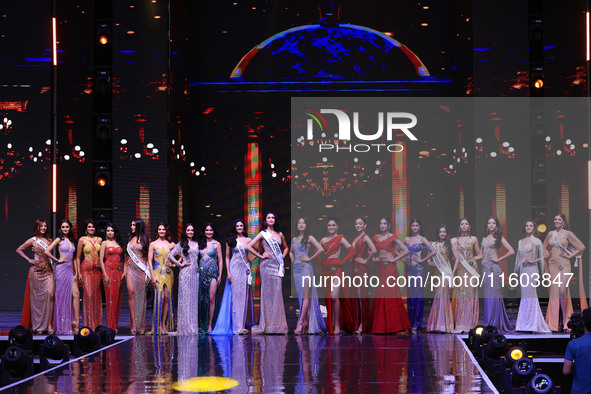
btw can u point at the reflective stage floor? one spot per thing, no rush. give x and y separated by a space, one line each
424 363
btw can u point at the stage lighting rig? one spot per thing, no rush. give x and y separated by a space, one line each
522 371
106 334
474 337
497 346
575 324
22 337
15 364
488 333
86 341
540 383
53 348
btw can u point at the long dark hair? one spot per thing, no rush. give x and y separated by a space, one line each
86 223
535 234
565 225
232 237
117 237
70 235
142 236
418 221
498 234
202 239
185 240
167 236
447 241
275 226
37 228
306 233
460 222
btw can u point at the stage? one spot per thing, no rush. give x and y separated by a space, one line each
271 363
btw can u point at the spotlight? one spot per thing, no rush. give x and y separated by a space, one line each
542 228
522 371
489 332
102 181
514 354
106 334
53 348
22 337
86 341
538 83
16 364
103 39
497 346
540 383
474 337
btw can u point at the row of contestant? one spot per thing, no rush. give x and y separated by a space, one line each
352 312
201 266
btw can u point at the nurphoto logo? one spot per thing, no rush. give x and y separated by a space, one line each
394 121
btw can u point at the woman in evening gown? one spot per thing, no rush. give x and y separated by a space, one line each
441 315
90 271
210 275
40 280
162 314
416 244
310 320
188 313
239 279
560 246
529 255
464 301
272 314
137 275
387 310
332 266
355 311
64 320
494 305
111 257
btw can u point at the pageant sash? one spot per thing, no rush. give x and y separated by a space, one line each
40 242
276 250
243 256
466 265
441 264
565 250
138 262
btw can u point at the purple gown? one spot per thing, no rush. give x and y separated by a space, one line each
494 306
62 315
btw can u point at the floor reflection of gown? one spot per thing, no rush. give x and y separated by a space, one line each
465 298
138 278
242 363
387 310
530 317
301 270
91 284
242 301
187 318
188 357
62 315
41 285
113 293
208 270
271 369
272 314
391 363
355 310
310 362
494 305
165 277
441 315
559 265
